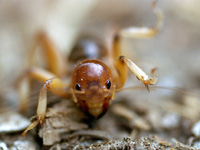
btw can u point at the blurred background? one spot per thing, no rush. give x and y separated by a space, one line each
175 51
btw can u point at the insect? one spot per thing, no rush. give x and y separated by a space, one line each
93 83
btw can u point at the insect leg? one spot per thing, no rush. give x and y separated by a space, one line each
140 74
120 70
24 81
56 63
53 84
120 65
55 60
144 32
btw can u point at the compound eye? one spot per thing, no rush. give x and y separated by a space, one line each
108 84
78 87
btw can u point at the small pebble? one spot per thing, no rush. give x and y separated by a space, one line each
23 145
196 144
3 146
171 120
12 122
196 129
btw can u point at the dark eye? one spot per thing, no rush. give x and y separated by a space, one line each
78 87
108 84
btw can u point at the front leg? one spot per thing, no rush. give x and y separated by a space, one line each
56 86
140 74
41 110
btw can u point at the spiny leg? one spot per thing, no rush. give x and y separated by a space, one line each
120 66
140 74
136 32
55 85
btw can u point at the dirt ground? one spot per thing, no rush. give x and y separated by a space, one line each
166 118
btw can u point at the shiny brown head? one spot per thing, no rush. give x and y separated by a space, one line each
94 80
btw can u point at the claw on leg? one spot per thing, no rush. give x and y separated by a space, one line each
39 120
31 126
56 86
